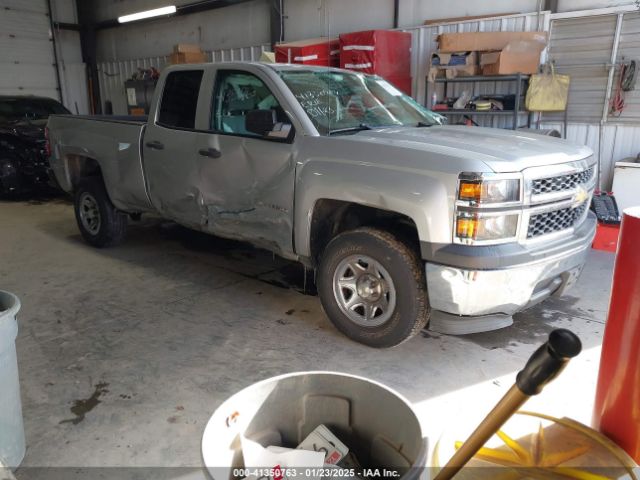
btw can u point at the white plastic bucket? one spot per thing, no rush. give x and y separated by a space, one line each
375 422
12 442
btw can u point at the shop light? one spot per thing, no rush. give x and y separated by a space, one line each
156 12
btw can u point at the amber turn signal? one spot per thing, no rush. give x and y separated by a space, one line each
470 191
467 227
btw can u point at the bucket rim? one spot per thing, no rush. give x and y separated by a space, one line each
14 308
209 427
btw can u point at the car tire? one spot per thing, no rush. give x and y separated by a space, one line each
373 288
100 223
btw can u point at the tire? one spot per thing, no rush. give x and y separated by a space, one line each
390 276
100 223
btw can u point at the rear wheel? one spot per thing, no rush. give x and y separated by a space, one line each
100 223
372 287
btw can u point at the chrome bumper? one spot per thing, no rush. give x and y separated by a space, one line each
457 291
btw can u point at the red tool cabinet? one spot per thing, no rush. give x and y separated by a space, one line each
315 51
381 52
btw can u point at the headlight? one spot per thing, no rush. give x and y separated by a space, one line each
487 191
471 228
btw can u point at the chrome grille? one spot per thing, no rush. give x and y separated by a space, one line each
555 221
561 183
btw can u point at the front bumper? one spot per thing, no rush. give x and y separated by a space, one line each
499 293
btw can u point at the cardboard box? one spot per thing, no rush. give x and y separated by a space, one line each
268 57
522 56
445 59
186 48
485 41
452 72
187 57
445 69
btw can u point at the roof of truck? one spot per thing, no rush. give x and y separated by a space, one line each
26 97
278 67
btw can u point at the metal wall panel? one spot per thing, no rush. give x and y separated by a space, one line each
27 61
619 141
629 49
112 75
581 47
425 42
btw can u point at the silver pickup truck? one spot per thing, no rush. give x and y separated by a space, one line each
405 220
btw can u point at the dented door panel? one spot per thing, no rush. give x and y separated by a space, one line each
247 193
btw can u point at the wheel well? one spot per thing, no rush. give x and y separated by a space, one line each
332 217
80 167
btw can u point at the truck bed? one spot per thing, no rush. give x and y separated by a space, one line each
114 142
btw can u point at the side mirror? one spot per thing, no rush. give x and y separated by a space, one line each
260 122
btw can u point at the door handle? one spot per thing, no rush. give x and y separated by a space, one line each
210 152
155 145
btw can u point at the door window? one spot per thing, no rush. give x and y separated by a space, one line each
180 99
238 95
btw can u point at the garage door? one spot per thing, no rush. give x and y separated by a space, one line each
27 63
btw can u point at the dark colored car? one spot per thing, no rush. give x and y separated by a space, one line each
24 159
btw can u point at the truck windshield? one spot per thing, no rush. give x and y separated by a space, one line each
344 102
18 109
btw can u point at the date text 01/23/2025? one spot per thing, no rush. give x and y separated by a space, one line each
279 473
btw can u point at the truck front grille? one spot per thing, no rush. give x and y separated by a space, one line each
562 183
555 220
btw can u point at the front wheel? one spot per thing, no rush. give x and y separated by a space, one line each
372 287
100 223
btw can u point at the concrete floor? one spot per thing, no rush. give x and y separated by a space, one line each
125 353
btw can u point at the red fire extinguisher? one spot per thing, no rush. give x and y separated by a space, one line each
617 406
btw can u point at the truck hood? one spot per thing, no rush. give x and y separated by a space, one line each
501 150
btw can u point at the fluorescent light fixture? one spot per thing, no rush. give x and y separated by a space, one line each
156 12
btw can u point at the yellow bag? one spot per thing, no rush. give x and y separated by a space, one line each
547 92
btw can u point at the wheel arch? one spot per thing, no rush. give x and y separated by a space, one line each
332 188
78 168
330 217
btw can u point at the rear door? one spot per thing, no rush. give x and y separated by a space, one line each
171 159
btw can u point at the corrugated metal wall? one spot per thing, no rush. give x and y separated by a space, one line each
113 74
619 141
629 49
27 62
581 47
425 42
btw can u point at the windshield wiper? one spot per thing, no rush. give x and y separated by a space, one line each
357 128
425 124
363 126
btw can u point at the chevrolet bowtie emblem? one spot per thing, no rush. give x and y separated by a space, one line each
580 196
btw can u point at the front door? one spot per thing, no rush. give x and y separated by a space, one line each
250 176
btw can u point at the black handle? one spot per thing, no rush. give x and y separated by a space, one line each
548 361
155 145
210 152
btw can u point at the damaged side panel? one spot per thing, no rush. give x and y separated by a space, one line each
251 198
246 193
